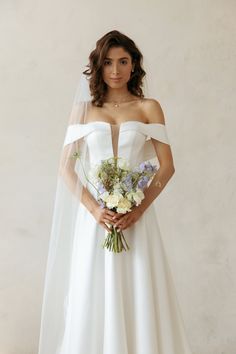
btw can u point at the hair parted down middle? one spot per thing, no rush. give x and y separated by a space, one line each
98 87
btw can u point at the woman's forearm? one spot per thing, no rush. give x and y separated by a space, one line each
88 200
158 183
75 186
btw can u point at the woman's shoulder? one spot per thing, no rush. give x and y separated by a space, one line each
153 111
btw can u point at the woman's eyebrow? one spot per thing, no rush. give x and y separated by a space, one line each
118 58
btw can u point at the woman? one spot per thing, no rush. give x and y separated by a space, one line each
97 301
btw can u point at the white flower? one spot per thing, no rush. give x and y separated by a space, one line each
104 196
118 193
124 205
138 196
117 186
130 196
112 200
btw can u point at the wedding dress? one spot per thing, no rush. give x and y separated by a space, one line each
114 303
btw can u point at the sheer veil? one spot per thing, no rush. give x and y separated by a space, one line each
67 203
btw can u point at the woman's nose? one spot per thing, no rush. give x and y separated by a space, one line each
115 69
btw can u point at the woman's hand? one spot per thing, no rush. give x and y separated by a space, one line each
105 216
129 218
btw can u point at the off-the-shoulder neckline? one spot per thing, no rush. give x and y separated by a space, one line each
120 124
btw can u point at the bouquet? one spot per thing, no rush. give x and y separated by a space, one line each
119 188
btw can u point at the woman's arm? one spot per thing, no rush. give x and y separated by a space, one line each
154 113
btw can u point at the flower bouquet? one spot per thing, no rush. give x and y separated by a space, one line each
119 188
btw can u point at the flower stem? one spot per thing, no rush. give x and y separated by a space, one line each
113 241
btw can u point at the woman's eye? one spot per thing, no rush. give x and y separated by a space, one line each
107 62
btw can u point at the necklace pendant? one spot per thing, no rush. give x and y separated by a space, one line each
116 105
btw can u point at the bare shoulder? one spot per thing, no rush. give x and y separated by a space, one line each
153 111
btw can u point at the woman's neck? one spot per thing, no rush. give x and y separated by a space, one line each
118 94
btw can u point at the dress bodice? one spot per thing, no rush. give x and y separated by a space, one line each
130 139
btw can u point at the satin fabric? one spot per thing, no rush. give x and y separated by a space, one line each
122 303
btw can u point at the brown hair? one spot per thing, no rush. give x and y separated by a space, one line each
98 87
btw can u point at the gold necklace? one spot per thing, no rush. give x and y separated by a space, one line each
116 103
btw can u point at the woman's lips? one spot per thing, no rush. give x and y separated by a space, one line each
116 79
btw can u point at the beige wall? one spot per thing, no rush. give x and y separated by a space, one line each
189 51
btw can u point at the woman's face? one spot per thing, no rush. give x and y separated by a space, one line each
117 65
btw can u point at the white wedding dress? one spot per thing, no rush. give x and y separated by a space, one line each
121 303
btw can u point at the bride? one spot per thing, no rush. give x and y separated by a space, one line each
120 104
97 301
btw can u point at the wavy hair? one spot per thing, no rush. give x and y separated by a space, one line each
98 87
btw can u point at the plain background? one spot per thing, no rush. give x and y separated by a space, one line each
189 56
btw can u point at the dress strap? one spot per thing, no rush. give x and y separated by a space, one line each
77 131
156 131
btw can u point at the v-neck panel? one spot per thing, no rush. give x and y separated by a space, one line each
115 130
115 134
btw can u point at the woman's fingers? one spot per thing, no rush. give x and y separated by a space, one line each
113 214
120 221
112 218
108 221
109 212
125 222
119 225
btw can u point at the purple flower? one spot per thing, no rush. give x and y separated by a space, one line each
128 182
142 166
147 166
142 183
101 188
